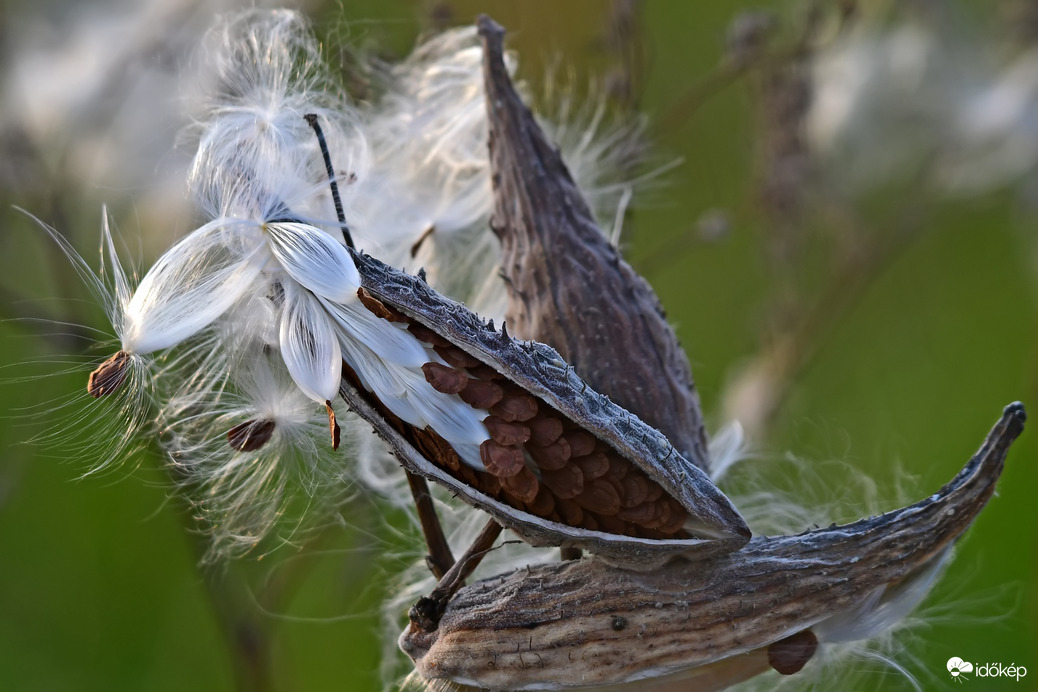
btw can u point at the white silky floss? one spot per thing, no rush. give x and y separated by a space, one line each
260 177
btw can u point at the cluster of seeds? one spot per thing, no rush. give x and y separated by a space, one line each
535 460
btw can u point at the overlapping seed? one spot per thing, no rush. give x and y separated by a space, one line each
536 460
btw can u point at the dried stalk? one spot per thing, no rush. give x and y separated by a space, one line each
586 624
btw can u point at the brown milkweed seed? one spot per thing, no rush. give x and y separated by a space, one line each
109 375
618 469
503 462
643 514
544 430
378 308
789 655
612 524
515 407
636 489
505 433
593 465
445 379
580 442
553 457
672 515
570 512
523 486
599 497
544 504
250 435
456 357
566 482
480 394
426 335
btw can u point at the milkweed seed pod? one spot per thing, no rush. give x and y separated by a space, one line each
567 285
563 465
584 625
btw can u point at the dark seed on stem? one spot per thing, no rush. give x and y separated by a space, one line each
333 425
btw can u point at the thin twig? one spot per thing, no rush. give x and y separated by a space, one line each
440 559
426 613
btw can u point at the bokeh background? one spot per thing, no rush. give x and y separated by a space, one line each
839 213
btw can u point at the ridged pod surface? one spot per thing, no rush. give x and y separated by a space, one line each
584 624
564 466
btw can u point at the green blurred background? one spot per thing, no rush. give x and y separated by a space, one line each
927 334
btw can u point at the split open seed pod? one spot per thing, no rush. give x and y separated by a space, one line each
704 625
564 465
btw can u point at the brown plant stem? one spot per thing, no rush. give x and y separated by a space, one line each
440 559
426 613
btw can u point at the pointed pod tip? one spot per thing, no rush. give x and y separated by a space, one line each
488 27
1015 410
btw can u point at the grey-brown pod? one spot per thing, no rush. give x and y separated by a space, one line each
710 524
586 625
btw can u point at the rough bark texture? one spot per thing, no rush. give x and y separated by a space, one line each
568 287
577 624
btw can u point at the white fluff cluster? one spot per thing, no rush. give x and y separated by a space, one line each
245 323
237 335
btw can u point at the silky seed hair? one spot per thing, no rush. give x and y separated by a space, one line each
430 198
259 73
108 419
199 344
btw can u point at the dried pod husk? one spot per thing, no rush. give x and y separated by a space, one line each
693 518
707 625
568 286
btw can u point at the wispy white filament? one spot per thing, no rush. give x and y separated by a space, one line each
187 289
